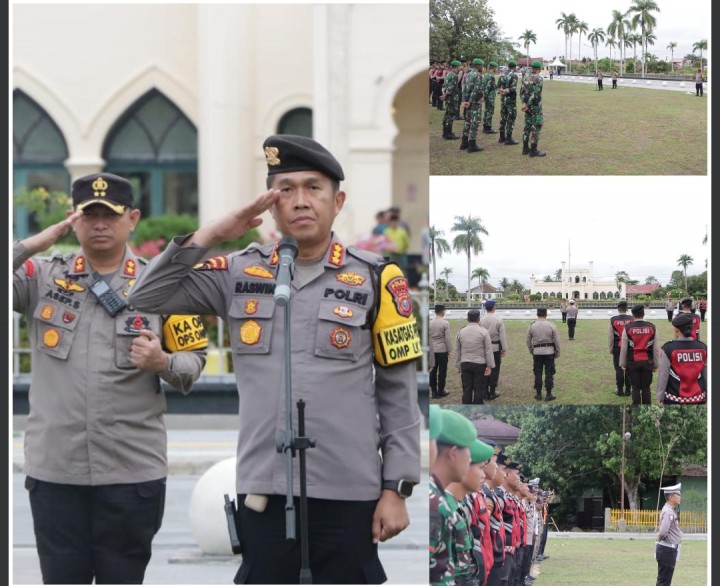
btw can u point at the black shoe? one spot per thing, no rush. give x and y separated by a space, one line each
473 147
493 396
442 394
509 140
489 130
526 148
550 396
536 153
451 136
464 143
619 393
538 396
628 393
502 137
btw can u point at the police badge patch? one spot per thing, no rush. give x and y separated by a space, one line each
135 323
340 338
400 292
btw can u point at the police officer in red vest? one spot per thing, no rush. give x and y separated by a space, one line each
682 377
640 354
617 325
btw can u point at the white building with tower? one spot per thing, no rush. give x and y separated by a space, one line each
578 283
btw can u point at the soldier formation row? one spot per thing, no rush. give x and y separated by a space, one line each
480 345
472 86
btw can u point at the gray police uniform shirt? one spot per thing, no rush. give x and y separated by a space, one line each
572 311
669 531
94 418
473 344
496 328
545 333
364 417
439 330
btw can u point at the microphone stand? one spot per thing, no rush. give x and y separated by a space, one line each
287 442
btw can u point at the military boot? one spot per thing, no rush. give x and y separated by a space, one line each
464 143
536 153
549 396
526 147
489 130
509 140
538 396
450 135
473 147
502 136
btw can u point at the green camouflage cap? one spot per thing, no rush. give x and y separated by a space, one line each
457 430
512 63
480 452
536 64
478 62
492 64
455 63
434 421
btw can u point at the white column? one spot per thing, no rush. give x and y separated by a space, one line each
226 131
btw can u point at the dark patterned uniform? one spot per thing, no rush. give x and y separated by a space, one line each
534 114
508 103
473 94
452 105
490 88
442 558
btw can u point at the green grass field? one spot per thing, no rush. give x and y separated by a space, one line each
584 371
627 131
620 562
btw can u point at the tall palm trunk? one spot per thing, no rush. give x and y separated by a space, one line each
469 276
434 274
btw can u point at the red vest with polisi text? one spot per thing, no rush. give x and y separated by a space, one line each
686 383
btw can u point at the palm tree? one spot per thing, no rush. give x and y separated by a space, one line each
563 24
700 46
641 11
671 46
582 27
437 245
595 37
684 261
572 29
618 29
517 287
635 39
504 284
651 280
528 37
446 273
558 276
610 42
468 241
482 275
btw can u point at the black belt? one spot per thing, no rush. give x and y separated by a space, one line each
543 345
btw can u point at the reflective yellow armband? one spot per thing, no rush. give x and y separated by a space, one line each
395 332
184 332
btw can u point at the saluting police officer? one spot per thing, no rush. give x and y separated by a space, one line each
95 442
496 328
667 547
353 351
456 436
682 374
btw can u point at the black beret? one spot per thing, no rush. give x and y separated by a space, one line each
473 315
110 190
682 320
287 153
638 309
497 448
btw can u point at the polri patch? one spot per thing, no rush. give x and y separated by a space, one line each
47 312
343 311
352 279
257 271
68 317
340 338
135 323
400 292
250 332
51 338
251 306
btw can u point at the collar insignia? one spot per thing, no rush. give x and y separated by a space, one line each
336 254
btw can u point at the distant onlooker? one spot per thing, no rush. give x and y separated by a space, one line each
380 223
395 210
614 79
703 308
399 237
699 84
599 76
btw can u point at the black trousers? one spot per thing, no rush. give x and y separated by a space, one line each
665 557
474 382
698 89
544 362
438 373
340 543
571 327
622 377
543 540
614 84
564 316
600 87
641 375
495 372
496 573
702 314
518 576
670 313
508 570
100 533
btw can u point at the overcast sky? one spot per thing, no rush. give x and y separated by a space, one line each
641 225
684 22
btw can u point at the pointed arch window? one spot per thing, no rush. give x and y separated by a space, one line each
296 121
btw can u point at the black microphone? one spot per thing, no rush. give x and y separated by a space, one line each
287 251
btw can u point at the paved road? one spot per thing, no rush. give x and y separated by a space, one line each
652 84
177 558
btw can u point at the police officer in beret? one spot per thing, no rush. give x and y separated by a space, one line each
440 348
682 374
355 342
95 441
496 328
640 354
456 437
615 330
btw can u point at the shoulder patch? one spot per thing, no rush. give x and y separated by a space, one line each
217 263
184 333
29 268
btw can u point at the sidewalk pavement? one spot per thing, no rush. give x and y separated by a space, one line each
196 443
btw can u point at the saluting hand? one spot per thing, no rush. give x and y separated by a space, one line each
50 235
390 517
236 223
147 354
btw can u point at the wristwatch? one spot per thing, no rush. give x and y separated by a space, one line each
404 488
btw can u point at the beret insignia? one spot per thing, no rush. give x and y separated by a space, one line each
271 156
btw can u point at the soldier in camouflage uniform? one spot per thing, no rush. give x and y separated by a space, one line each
470 564
450 98
472 102
490 87
451 464
532 106
507 88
